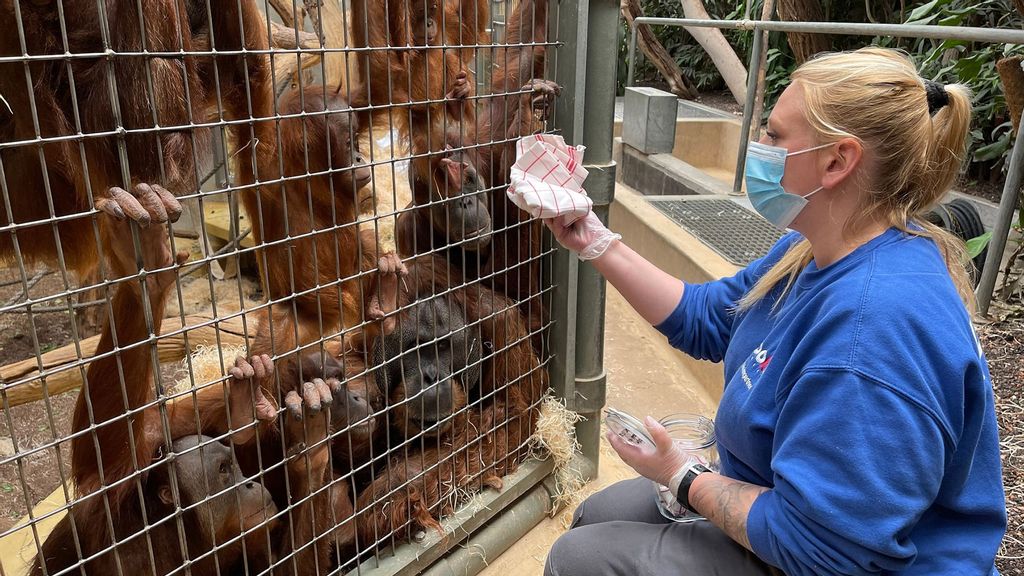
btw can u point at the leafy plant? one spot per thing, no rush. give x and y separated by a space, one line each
976 245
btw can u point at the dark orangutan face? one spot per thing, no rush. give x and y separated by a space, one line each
461 213
430 365
227 502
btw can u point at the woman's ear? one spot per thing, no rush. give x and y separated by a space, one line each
842 161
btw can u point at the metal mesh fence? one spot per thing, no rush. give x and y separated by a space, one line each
264 304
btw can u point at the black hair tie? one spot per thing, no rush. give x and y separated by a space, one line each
937 96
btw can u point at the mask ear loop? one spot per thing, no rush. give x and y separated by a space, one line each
819 188
804 151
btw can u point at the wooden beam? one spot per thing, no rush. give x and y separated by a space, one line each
284 37
64 376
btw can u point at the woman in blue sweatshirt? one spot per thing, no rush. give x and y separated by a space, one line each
856 431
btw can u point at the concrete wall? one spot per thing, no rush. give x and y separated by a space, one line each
708 145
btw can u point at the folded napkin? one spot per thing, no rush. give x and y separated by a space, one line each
547 179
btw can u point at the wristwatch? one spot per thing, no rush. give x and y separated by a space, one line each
681 482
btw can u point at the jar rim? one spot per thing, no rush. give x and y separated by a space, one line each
703 428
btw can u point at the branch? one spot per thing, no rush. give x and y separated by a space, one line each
728 64
1012 78
280 37
648 42
284 37
284 10
758 112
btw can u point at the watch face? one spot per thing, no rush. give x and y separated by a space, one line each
627 427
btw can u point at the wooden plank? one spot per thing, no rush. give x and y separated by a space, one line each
18 549
217 218
66 376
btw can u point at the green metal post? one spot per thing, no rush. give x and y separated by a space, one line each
566 66
585 111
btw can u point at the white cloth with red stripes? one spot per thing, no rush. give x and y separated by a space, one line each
547 179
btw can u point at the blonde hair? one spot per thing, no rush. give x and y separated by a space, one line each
877 96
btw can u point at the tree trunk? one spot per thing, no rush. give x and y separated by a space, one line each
284 10
328 24
1012 78
728 64
648 43
1019 4
803 45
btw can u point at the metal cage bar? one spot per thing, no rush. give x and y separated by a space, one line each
258 109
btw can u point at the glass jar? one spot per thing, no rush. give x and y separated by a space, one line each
694 434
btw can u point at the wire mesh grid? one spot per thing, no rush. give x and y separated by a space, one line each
265 305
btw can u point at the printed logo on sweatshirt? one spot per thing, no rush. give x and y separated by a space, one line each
759 361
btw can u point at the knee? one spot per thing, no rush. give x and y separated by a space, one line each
567 556
626 500
577 515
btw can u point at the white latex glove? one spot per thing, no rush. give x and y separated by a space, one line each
659 464
587 237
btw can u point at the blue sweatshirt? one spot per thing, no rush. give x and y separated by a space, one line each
864 402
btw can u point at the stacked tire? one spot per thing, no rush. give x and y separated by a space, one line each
961 218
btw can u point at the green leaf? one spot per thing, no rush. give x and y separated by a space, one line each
6 487
992 151
952 20
922 11
976 245
968 68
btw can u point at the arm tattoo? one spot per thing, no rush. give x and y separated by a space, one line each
726 503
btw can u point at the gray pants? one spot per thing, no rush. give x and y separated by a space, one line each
620 531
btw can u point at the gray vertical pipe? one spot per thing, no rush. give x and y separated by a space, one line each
599 112
565 65
584 115
748 107
997 244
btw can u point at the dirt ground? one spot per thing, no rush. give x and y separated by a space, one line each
1004 348
28 427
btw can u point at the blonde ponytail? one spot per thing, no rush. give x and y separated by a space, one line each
876 96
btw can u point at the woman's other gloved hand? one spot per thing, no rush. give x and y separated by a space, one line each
587 237
659 464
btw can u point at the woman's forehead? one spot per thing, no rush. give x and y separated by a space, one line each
788 111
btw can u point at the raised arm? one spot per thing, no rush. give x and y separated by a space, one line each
123 381
649 290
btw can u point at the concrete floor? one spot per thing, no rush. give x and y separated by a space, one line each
645 376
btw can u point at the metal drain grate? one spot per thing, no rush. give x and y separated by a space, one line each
737 234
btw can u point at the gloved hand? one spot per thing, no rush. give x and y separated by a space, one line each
659 464
587 237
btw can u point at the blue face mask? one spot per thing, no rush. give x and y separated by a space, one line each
764 169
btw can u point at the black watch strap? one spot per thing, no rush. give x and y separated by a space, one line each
683 494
